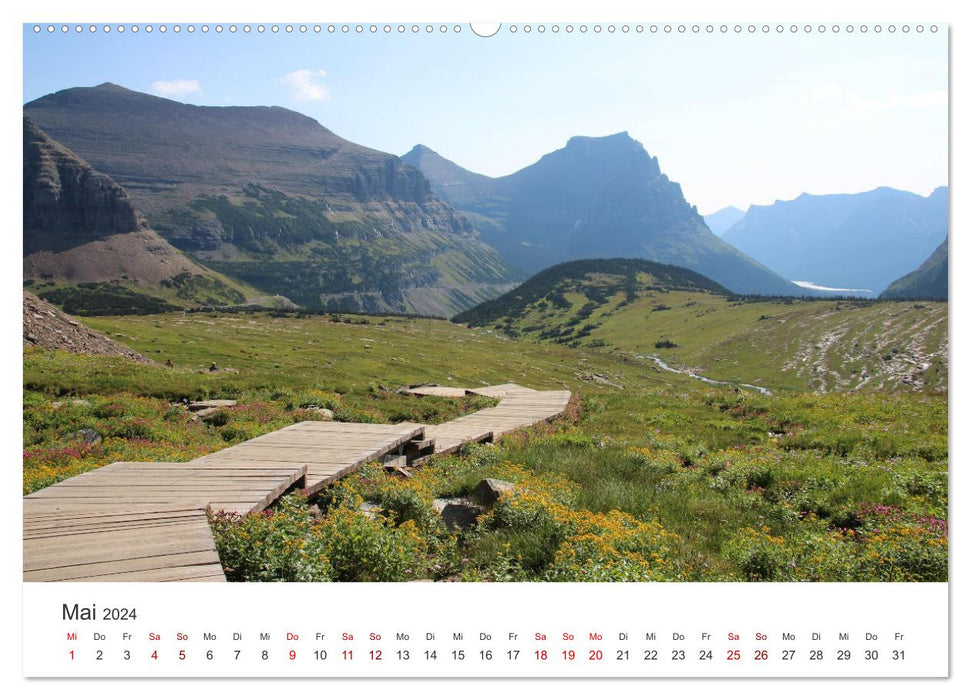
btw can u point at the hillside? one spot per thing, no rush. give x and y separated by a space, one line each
929 281
597 280
692 325
596 197
48 327
272 198
85 243
846 241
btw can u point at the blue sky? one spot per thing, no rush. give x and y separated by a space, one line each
736 119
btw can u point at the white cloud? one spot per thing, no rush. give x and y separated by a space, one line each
307 85
176 88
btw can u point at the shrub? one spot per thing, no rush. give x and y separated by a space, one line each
276 545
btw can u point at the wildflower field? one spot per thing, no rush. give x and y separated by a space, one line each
649 476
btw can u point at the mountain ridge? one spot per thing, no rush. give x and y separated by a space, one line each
826 239
723 219
596 197
271 197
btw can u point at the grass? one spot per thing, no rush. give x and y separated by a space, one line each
782 344
663 479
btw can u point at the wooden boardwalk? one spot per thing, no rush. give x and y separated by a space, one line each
146 521
518 407
327 451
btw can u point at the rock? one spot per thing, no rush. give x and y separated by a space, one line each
212 403
205 412
439 503
458 512
370 510
72 402
49 327
599 379
87 436
325 413
488 491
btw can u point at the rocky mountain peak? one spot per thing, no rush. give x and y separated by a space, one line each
617 152
62 193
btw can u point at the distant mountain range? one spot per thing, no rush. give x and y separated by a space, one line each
723 219
845 241
594 198
134 202
929 281
270 197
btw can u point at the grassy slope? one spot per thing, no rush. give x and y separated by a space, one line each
719 485
819 345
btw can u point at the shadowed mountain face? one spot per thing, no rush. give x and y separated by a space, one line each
64 195
273 198
596 197
864 240
929 281
80 227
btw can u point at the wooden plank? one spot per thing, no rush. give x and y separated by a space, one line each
200 563
131 521
446 391
187 574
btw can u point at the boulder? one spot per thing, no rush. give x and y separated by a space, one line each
370 510
325 413
488 491
212 403
72 402
87 436
461 514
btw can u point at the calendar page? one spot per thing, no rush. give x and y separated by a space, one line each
403 348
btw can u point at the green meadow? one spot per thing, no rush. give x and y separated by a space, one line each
798 344
650 475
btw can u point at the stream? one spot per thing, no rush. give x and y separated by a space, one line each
708 380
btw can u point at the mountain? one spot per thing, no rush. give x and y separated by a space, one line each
271 197
855 241
82 228
450 181
929 281
596 280
594 198
723 219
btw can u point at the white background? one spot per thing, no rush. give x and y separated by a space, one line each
831 11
